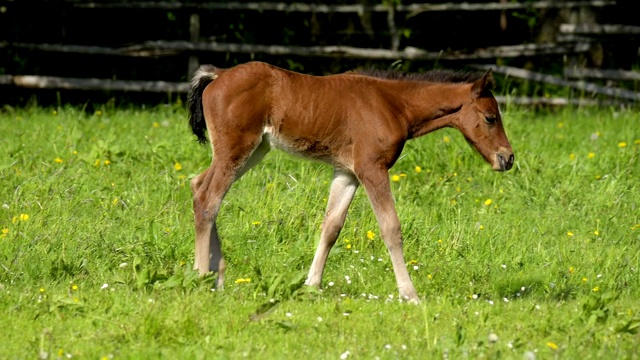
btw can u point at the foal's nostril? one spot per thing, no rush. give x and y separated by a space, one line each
505 164
510 162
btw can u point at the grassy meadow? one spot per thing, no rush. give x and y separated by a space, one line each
96 245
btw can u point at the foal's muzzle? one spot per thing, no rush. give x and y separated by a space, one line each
504 160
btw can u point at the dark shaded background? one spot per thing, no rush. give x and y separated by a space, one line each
60 22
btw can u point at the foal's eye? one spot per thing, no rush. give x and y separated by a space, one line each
490 119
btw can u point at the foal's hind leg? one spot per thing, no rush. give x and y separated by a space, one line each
343 188
209 190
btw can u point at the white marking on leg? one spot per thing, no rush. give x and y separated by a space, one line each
343 187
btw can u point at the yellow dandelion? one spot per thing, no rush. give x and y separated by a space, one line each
598 177
177 166
572 156
97 163
591 155
454 201
75 152
74 287
440 241
23 217
418 169
348 246
622 144
552 345
596 289
403 175
481 227
242 280
584 279
107 162
115 201
58 160
395 178
571 270
596 233
569 233
429 276
371 235
412 262
42 290
446 139
256 222
488 202
14 220
4 232
156 124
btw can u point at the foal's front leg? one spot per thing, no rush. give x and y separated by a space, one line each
376 183
343 188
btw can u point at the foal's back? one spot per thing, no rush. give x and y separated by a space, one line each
320 117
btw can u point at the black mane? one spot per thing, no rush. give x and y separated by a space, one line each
441 76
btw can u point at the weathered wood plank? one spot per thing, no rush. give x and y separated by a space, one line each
167 48
550 79
599 29
54 82
413 9
605 74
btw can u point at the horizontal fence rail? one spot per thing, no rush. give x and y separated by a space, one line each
52 82
604 74
167 48
413 9
554 80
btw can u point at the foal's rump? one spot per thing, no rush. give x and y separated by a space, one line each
302 114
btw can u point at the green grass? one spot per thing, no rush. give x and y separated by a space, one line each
542 260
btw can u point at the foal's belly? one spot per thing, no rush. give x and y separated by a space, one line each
304 146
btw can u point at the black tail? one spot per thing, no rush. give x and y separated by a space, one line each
203 76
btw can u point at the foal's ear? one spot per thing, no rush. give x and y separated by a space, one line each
485 83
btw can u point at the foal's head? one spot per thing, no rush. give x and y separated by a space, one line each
480 122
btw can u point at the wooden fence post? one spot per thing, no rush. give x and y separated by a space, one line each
194 31
391 21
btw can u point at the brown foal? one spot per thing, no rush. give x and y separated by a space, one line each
358 122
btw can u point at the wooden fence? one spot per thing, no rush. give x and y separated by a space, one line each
573 40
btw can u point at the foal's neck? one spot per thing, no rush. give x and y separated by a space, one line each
433 106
